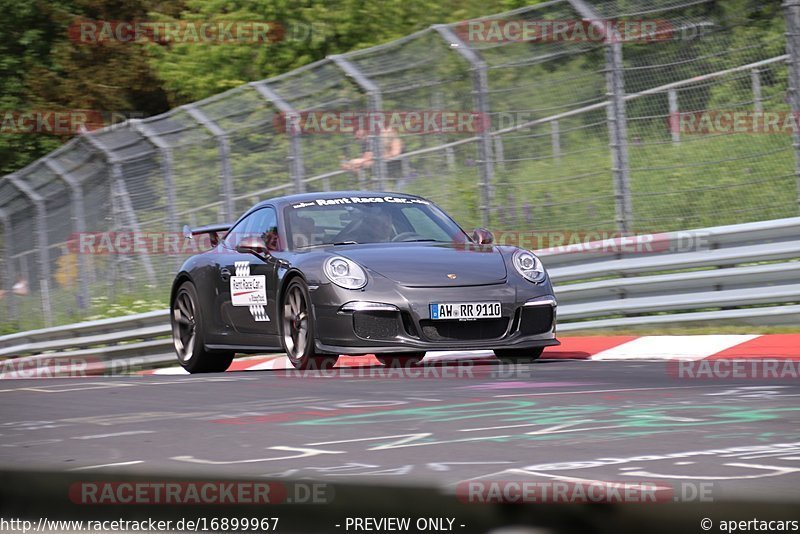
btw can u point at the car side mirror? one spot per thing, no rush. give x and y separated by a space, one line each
252 245
482 236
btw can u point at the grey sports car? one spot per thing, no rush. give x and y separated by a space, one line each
356 272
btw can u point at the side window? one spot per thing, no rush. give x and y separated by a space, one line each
262 223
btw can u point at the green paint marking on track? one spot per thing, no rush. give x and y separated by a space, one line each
510 412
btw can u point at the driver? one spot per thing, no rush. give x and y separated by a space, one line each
375 227
303 229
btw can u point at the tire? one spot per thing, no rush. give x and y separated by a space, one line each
297 329
519 355
187 334
408 359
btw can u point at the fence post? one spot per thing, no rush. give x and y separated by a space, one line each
480 89
620 139
450 158
375 106
792 15
169 177
79 225
10 271
122 190
555 139
674 116
166 164
292 120
755 82
41 242
225 158
499 153
617 120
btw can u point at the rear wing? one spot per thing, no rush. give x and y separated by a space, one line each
213 231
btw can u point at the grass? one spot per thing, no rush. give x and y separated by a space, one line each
703 181
696 184
65 310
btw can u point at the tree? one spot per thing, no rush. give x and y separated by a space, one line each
43 69
313 29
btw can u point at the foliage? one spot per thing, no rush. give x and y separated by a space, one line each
313 29
42 69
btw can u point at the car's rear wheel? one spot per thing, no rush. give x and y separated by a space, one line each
297 329
519 355
187 334
406 359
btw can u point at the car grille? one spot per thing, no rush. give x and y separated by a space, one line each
463 330
536 320
376 325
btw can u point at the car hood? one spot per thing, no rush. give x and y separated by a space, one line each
429 264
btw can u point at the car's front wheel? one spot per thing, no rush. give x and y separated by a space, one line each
187 334
407 359
297 329
519 355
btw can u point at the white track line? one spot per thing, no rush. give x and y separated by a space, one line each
672 347
118 464
116 434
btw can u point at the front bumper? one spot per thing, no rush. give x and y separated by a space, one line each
528 319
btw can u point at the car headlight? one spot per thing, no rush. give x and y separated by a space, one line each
345 273
529 266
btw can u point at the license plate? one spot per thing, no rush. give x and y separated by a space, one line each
466 310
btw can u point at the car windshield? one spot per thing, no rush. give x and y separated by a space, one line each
351 220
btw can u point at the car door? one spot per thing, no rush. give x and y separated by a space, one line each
247 281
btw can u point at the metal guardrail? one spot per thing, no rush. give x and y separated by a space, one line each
112 326
107 346
748 273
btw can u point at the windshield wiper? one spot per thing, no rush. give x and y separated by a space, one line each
345 243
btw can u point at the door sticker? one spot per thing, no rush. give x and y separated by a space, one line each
250 291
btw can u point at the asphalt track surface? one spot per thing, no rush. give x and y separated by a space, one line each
445 423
